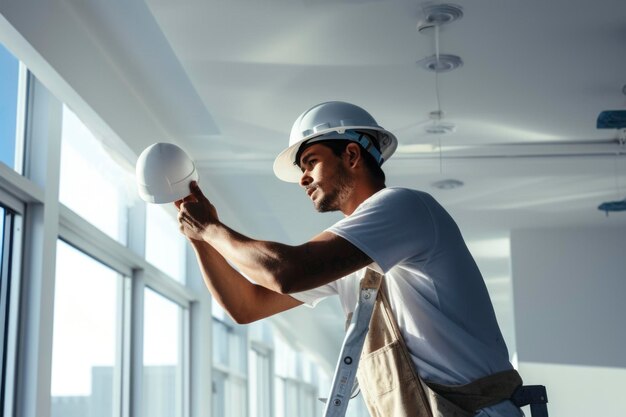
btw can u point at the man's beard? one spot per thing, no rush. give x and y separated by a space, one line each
340 192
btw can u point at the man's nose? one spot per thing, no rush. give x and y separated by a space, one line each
305 179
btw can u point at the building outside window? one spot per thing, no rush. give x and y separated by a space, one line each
230 377
163 353
85 364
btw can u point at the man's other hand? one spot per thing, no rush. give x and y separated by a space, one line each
196 214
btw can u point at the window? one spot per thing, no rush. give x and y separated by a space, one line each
260 382
92 184
261 369
165 245
163 357
296 383
86 369
229 367
10 135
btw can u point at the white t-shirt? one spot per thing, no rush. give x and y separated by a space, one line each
435 290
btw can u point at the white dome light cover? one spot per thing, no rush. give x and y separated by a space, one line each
163 173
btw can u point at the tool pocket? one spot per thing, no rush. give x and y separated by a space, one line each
389 384
381 369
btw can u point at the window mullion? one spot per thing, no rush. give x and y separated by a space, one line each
42 166
136 330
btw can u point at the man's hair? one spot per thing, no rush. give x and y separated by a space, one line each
339 146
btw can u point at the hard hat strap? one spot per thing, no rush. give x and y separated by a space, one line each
366 142
351 135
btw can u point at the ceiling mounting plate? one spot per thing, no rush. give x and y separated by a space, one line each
439 14
443 63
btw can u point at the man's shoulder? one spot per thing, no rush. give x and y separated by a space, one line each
399 195
395 202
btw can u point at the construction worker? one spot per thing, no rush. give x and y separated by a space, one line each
439 350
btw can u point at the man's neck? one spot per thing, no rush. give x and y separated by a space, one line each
359 195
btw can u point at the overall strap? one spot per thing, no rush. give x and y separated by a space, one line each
348 363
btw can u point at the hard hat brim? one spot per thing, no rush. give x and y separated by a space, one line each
287 170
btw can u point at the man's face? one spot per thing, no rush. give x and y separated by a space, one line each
324 178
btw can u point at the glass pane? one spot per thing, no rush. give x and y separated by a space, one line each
261 331
219 394
92 184
229 347
165 245
260 381
162 362
307 400
9 74
220 343
237 403
85 338
287 366
229 395
2 215
3 305
291 398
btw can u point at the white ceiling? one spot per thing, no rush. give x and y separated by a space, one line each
226 79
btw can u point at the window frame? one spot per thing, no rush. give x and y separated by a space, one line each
45 219
229 373
10 269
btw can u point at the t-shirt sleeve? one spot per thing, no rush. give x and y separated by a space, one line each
393 225
313 296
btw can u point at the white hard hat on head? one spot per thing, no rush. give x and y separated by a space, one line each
164 172
333 120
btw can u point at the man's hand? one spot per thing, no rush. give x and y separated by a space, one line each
196 214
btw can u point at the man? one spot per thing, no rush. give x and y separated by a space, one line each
433 290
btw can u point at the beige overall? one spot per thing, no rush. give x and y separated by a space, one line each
391 386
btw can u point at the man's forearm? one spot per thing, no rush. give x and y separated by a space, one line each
264 262
287 269
243 300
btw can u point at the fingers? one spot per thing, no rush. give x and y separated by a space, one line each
195 191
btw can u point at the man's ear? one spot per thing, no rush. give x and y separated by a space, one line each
353 153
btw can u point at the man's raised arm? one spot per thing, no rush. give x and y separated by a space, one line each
278 267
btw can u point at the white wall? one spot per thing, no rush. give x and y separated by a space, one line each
568 290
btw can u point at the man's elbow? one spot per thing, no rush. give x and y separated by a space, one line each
243 318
